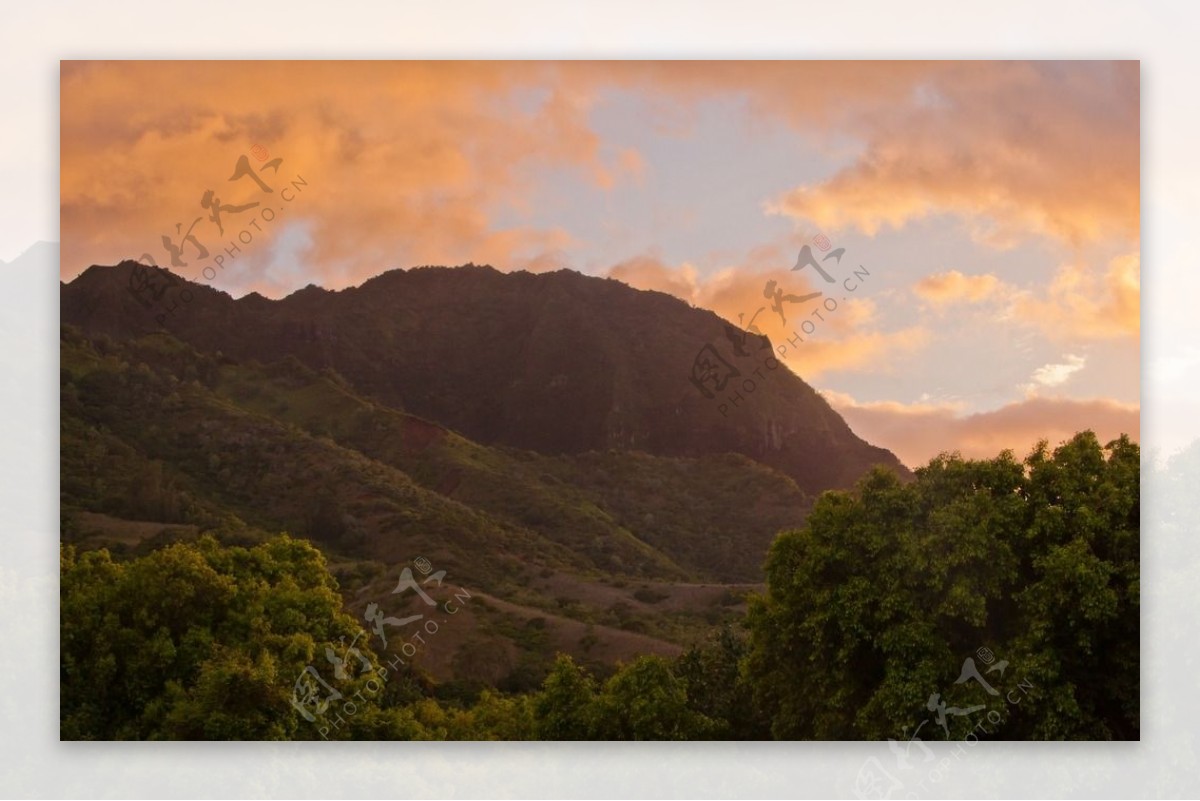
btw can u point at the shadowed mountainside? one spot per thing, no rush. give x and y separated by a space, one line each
557 363
602 555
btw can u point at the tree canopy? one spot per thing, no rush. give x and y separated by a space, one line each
876 616
878 601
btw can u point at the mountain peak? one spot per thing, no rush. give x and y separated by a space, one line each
556 362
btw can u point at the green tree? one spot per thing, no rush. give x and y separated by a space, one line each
565 708
877 602
200 641
499 717
645 700
717 688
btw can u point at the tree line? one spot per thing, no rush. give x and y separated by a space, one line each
894 610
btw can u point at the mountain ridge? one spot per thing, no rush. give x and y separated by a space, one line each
552 362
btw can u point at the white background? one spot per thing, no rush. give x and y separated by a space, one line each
33 763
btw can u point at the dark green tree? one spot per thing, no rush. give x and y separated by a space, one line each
874 606
717 688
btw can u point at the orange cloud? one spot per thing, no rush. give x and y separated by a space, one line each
412 162
1083 304
649 273
917 433
814 333
405 162
1079 303
1015 149
950 287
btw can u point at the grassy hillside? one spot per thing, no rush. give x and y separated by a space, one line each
603 555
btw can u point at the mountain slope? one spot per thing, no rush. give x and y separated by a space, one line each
597 554
558 363
153 430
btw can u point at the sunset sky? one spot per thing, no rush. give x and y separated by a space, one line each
995 206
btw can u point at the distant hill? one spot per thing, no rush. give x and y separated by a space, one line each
557 363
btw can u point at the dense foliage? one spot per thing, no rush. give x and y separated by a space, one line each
157 437
869 615
195 641
205 641
876 603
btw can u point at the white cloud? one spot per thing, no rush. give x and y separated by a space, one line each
1053 375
